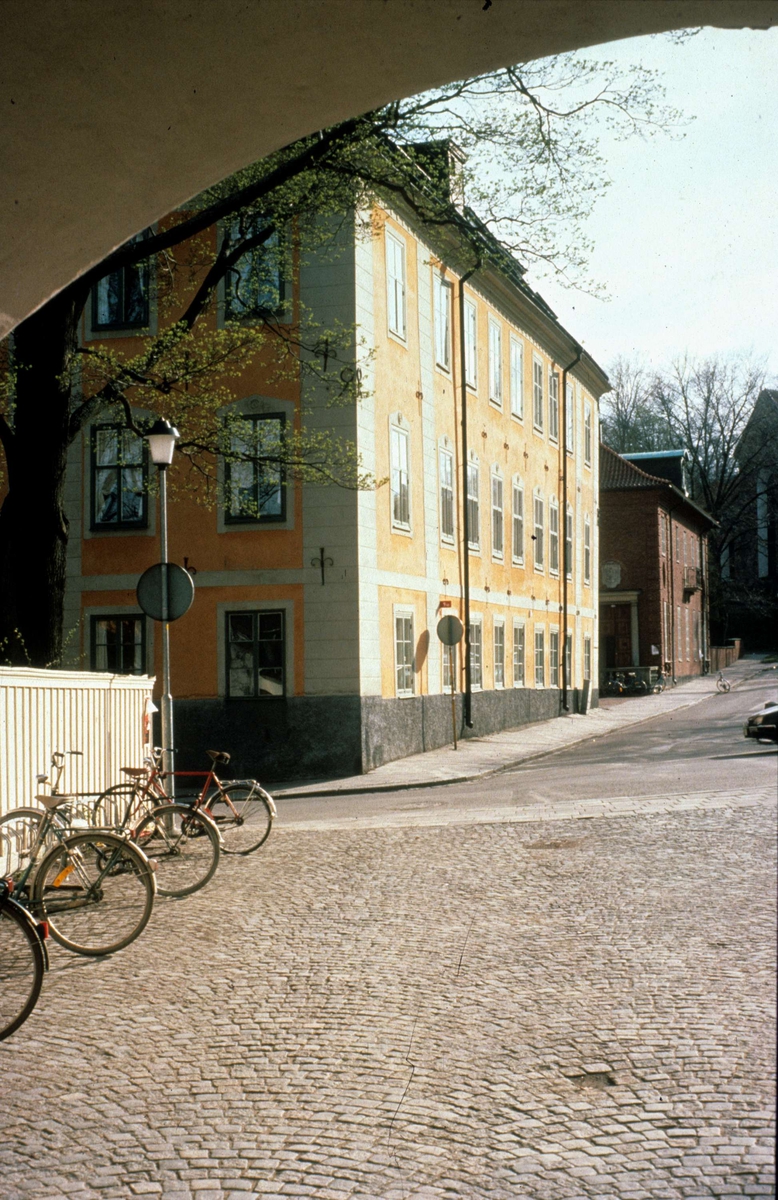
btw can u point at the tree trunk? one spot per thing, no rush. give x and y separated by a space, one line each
33 523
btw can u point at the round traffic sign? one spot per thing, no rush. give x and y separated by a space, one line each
450 630
180 591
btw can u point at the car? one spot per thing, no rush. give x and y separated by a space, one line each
763 725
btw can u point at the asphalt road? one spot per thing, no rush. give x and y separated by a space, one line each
694 749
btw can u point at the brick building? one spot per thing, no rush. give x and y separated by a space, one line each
653 566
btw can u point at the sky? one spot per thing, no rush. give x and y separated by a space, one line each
686 238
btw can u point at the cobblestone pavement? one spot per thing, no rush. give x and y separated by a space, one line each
521 1008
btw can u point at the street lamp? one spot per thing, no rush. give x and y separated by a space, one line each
162 438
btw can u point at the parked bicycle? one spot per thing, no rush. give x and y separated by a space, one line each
242 811
723 685
23 961
93 887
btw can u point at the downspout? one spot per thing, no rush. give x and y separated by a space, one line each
672 595
468 693
565 556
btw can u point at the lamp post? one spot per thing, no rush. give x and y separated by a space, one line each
162 438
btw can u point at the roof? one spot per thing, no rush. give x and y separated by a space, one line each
617 475
640 454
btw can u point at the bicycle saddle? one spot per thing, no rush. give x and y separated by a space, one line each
218 756
53 802
135 772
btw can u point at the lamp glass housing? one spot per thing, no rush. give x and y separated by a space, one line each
162 438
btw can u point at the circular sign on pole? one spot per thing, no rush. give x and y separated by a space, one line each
450 630
180 591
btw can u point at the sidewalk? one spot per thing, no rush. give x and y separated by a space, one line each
476 758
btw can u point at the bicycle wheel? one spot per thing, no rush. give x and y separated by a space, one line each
184 845
96 891
119 806
244 814
18 835
722 685
22 963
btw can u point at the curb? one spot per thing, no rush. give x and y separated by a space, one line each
417 785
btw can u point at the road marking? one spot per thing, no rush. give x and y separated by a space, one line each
561 810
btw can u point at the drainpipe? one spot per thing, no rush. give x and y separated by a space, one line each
468 694
565 557
672 593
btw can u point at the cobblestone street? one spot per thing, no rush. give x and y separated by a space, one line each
572 1008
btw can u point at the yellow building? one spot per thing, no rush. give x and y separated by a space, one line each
312 645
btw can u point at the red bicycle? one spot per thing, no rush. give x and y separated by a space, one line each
241 809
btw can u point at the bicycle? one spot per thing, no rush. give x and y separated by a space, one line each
93 887
241 809
723 685
23 961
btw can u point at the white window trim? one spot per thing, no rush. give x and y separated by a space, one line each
569 516
588 435
535 631
587 545
570 418
442 288
518 485
554 681
519 345
498 623
496 400
553 374
474 547
400 336
540 568
477 619
404 610
553 507
444 447
497 555
471 361
523 627
538 429
398 424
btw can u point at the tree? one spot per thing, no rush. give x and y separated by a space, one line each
531 171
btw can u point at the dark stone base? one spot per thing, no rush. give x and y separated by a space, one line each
306 737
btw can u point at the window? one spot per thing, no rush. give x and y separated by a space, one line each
587 550
476 656
442 323
537 394
473 515
255 654
119 478
540 658
518 655
588 435
495 363
254 286
663 532
446 495
471 354
677 545
253 476
538 534
553 537
569 544
517 379
518 523
121 300
688 647
553 658
569 660
395 285
679 654
401 500
497 517
570 418
119 645
403 653
448 658
666 629
587 658
499 654
553 406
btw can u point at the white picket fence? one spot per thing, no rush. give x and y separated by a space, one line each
42 711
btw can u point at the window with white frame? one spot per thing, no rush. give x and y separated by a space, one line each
666 629
537 394
400 478
403 652
679 651
473 510
446 459
448 660
553 537
587 550
254 479
471 344
540 656
517 541
519 652
517 379
499 654
119 478
476 654
569 543
553 658
570 418
553 405
569 660
442 322
395 284
539 516
495 362
498 536
663 533
587 658
588 435
688 644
